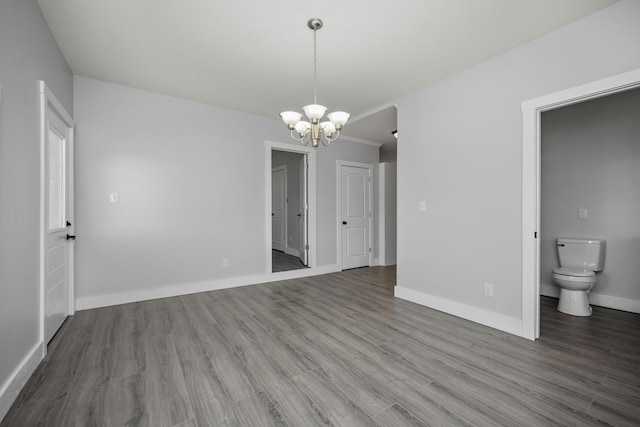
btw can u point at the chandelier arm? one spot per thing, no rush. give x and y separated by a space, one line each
299 139
326 141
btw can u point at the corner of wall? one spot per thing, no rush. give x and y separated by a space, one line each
18 378
491 319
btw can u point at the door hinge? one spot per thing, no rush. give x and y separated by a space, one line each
306 247
369 249
535 234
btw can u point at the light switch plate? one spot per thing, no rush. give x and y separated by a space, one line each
422 205
114 198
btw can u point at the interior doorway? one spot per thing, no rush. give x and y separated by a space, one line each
531 114
291 207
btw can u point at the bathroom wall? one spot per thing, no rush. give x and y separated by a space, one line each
591 160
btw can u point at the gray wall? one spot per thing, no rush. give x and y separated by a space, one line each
28 53
191 182
387 225
462 153
591 159
292 162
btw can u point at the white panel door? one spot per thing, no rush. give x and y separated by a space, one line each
279 208
304 212
355 209
57 209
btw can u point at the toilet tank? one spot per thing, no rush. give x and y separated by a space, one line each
581 253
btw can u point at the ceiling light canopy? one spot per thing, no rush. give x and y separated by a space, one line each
315 130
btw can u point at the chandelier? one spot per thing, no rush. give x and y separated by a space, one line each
314 130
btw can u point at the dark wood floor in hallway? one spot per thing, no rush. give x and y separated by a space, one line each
336 350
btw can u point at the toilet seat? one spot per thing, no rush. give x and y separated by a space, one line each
573 272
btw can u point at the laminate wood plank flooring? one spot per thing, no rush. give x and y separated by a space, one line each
336 349
281 261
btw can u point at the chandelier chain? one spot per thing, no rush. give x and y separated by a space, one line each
315 68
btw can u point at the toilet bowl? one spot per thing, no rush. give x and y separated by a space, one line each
580 259
574 285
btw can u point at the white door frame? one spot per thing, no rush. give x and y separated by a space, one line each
48 100
311 185
339 165
303 221
531 114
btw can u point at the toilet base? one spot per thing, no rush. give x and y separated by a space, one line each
574 303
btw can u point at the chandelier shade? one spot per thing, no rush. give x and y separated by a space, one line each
315 131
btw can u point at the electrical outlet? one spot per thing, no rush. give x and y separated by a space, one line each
422 205
583 213
225 262
488 289
114 198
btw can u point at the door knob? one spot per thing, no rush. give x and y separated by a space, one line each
344 222
70 237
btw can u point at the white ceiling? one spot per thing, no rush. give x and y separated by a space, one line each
256 56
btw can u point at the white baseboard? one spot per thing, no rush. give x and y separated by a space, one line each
85 303
494 320
601 300
18 378
292 251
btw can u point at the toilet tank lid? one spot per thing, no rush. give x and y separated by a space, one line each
581 241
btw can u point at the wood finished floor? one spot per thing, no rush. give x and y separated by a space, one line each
281 261
336 350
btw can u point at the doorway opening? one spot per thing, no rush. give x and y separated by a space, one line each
291 201
289 211
531 115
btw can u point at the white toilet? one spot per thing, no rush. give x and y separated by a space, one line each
579 260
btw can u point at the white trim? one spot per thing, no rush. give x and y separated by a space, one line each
311 187
531 111
601 300
382 212
18 378
511 325
360 141
369 167
127 297
368 113
49 100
